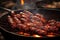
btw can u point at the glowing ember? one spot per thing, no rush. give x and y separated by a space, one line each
37 36
51 35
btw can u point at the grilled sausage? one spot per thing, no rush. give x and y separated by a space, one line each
58 24
38 31
16 20
23 27
11 21
28 13
41 17
18 16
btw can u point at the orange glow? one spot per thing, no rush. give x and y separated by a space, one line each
22 2
26 34
50 35
37 36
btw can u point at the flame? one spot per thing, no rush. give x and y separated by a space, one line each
22 2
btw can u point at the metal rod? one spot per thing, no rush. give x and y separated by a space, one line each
6 9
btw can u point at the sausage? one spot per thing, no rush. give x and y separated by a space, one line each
28 13
58 24
37 23
50 28
24 14
42 32
18 16
50 21
35 18
16 20
41 17
29 24
26 28
38 31
23 27
11 21
23 20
